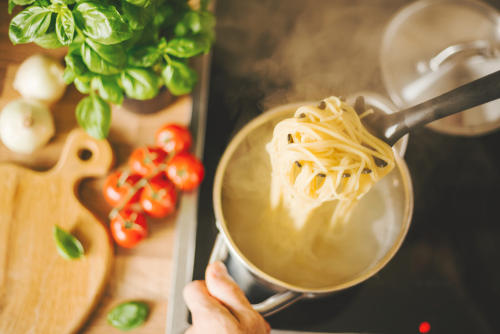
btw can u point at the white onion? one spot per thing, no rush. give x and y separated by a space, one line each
40 77
25 125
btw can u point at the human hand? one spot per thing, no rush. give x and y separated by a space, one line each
218 306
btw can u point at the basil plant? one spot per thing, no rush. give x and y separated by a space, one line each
117 48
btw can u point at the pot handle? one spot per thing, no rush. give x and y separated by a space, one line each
268 306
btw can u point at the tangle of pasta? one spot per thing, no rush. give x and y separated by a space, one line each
322 154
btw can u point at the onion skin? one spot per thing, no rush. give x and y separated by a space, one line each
26 125
40 77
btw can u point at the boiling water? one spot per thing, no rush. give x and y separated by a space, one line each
316 255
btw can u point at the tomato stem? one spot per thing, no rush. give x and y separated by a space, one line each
143 181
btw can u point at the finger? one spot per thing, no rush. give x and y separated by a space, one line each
224 288
200 302
208 313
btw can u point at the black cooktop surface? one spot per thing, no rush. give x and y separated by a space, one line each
447 273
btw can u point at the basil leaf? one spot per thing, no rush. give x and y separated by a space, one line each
141 3
128 315
103 59
23 2
65 26
67 245
179 78
137 17
69 75
196 22
82 82
48 41
101 22
29 24
164 13
190 22
81 85
108 88
189 46
94 115
139 83
11 6
75 62
143 56
43 3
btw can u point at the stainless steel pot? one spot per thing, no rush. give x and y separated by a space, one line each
247 274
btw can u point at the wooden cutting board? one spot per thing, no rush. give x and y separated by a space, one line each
41 292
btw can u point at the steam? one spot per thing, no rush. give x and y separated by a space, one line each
305 50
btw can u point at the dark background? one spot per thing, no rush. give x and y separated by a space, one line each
447 271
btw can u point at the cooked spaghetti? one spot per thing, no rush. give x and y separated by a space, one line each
322 154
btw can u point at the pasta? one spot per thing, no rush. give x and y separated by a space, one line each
325 154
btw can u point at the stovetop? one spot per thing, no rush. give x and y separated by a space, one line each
447 272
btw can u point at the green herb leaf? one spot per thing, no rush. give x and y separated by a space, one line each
164 13
189 46
139 83
29 24
137 17
108 88
75 62
11 6
69 75
82 82
141 3
128 315
67 245
23 2
43 3
196 22
191 22
179 78
65 26
103 59
101 22
94 115
48 41
144 56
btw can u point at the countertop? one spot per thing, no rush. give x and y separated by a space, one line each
143 272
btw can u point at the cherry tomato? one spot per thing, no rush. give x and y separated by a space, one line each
118 187
159 197
174 138
145 161
185 171
128 228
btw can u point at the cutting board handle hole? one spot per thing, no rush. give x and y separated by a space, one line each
85 154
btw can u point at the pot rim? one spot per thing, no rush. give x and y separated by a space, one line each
222 226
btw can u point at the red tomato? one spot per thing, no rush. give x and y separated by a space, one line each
185 171
159 197
174 138
118 187
146 161
128 228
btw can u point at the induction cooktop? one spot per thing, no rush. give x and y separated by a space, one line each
446 276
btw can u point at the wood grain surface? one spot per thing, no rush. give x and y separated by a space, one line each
141 273
41 292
